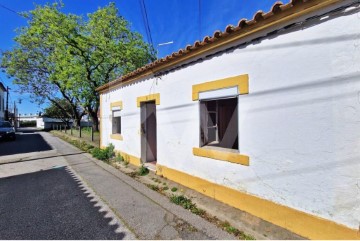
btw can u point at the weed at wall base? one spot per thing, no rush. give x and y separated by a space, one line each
143 171
104 154
118 158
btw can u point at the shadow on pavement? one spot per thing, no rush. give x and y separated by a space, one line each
24 143
51 204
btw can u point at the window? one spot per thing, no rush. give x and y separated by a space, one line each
219 123
116 122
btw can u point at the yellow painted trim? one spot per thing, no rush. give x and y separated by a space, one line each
116 104
147 98
127 157
241 81
130 158
222 155
118 137
301 223
101 120
282 18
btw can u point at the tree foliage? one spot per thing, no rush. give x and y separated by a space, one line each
60 109
70 55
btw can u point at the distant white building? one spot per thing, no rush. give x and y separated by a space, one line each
48 123
2 101
29 117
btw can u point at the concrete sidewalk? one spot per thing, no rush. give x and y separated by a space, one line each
148 214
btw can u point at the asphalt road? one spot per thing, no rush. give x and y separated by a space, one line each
51 190
42 198
27 140
50 205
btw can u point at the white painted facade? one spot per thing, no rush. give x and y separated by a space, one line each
299 124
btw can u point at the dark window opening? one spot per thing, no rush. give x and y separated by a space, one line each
219 123
116 122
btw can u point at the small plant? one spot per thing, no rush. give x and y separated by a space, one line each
126 160
198 211
143 170
103 154
84 146
98 153
119 158
154 187
165 188
187 204
174 189
109 150
230 229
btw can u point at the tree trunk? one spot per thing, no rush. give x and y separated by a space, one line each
95 120
77 121
77 115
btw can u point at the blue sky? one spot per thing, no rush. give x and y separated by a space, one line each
169 20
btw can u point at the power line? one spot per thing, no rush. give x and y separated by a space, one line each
146 21
13 11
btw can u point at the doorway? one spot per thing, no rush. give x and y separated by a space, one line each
148 132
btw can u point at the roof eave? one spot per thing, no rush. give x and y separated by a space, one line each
279 14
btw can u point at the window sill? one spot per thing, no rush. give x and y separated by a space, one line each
116 137
222 154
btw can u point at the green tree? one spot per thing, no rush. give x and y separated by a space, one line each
60 109
70 55
33 67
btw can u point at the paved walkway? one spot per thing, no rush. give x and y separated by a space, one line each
135 211
147 213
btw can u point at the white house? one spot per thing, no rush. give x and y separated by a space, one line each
2 101
264 116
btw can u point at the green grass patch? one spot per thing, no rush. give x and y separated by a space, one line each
187 204
174 189
239 234
103 154
153 187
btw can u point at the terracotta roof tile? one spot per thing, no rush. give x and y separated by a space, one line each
242 23
278 8
258 16
188 47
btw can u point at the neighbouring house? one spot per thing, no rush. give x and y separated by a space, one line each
264 116
47 123
2 101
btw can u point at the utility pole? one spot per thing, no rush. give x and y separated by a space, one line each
7 104
15 116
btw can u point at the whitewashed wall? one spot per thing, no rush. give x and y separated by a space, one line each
300 123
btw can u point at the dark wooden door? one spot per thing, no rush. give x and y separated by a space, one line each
148 132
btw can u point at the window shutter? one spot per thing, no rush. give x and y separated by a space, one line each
203 124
